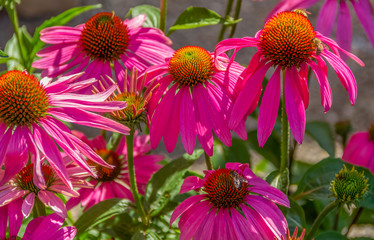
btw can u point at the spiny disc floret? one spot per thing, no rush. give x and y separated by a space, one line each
108 174
105 37
24 178
287 39
349 186
23 100
191 65
221 189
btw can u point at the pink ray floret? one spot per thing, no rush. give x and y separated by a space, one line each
233 204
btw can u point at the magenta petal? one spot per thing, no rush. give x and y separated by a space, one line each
294 105
184 206
271 193
244 227
187 121
270 213
15 217
354 145
344 27
364 12
3 221
65 233
247 96
269 108
47 227
191 183
172 132
28 204
51 200
256 223
192 218
205 229
232 233
326 18
4 142
219 226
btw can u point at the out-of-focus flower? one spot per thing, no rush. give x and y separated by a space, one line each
234 204
24 184
103 40
49 228
289 43
198 101
360 149
31 115
115 183
339 10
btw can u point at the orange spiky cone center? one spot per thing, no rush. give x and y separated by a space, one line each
23 100
221 190
105 37
107 174
287 39
24 178
191 65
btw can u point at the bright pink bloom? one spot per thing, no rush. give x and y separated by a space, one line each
49 228
115 183
25 185
31 115
13 213
327 16
103 40
289 43
234 204
198 101
360 149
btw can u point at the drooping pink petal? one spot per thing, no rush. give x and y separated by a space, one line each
294 105
135 22
364 12
184 206
44 228
10 194
344 27
4 142
65 233
172 132
3 221
205 229
187 120
38 177
326 17
271 193
191 183
247 95
15 217
192 218
28 204
220 231
232 233
243 226
54 202
269 108
270 213
256 223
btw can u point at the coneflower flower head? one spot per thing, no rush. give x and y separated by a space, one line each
349 186
102 43
289 43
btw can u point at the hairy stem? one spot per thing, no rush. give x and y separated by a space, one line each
208 162
285 140
163 7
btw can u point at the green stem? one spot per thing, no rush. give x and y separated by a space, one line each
39 209
319 219
285 140
236 16
208 162
116 143
227 15
163 7
134 188
14 19
355 218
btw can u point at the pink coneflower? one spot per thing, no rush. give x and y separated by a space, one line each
289 43
198 101
115 183
103 40
49 228
31 115
360 149
327 15
234 204
11 212
25 185
294 235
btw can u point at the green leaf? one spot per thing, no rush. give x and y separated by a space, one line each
238 152
166 183
3 54
271 149
315 183
101 212
330 235
12 49
322 133
59 20
152 13
295 215
194 17
279 180
145 235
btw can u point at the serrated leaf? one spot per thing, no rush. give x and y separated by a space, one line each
152 13
101 212
194 17
315 183
58 20
322 133
166 183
